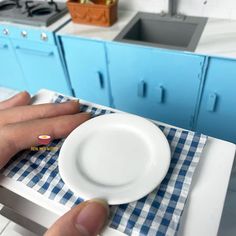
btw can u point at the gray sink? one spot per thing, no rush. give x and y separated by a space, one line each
163 31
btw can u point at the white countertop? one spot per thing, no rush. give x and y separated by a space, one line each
204 206
218 38
97 32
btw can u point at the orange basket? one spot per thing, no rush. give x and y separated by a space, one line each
96 13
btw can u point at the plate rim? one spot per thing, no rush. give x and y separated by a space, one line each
115 201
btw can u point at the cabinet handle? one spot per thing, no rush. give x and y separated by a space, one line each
100 79
142 88
211 103
3 46
160 94
32 51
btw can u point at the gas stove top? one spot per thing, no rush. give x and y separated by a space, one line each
37 13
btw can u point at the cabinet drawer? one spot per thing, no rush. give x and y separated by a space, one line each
42 66
11 74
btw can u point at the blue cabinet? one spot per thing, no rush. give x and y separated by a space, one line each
10 72
217 113
153 83
87 67
41 65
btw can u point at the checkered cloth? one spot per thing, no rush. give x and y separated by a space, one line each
156 214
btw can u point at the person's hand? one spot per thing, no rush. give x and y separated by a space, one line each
20 126
21 123
87 219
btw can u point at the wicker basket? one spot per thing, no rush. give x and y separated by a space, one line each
93 14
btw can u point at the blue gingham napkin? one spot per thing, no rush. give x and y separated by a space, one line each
156 214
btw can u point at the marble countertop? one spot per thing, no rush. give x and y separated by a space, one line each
218 38
97 32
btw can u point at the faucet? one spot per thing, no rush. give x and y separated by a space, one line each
172 8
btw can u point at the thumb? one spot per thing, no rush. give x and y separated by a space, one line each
87 219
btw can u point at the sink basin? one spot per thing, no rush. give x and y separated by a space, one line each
163 31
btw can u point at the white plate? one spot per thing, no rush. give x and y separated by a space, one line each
116 157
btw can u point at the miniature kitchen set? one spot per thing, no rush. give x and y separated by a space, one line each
169 61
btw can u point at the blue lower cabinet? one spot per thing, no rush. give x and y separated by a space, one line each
41 66
217 114
87 67
10 73
154 83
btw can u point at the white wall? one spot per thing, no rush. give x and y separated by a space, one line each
210 8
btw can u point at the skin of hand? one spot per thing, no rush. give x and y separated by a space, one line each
21 123
87 219
20 126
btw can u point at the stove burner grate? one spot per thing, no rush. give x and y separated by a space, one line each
39 13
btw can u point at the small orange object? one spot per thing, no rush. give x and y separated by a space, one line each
44 139
96 13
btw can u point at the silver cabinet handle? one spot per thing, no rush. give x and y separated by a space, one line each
36 52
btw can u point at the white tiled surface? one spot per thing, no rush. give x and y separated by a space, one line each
13 229
8 228
3 222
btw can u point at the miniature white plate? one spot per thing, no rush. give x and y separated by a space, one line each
117 157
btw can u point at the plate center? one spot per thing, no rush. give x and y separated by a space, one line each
114 156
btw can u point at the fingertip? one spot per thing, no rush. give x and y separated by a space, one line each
102 202
74 104
25 96
91 219
85 115
20 99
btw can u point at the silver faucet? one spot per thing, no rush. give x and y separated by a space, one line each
172 8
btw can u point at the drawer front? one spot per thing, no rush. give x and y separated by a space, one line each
11 74
42 66
27 34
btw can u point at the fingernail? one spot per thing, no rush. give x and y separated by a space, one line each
23 92
76 101
92 218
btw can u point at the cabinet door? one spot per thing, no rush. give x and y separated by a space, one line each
11 75
217 114
41 66
87 67
155 83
